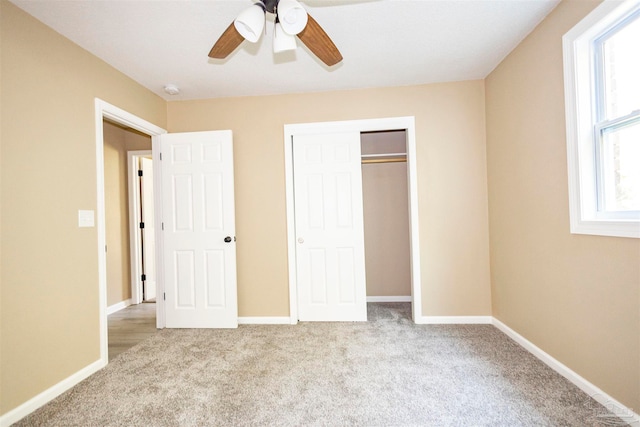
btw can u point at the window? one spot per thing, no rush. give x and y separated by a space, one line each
602 95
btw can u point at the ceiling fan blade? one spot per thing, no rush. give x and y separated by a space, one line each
318 42
227 43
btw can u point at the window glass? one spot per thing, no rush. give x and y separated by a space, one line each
621 164
621 54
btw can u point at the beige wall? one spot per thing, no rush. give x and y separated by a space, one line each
117 141
49 278
575 296
452 184
49 315
386 217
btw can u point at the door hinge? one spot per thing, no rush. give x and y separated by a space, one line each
143 277
164 296
140 172
142 225
163 226
105 248
160 156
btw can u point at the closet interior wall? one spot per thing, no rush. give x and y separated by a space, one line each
386 214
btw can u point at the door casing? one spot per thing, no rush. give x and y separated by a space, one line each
368 125
104 110
135 244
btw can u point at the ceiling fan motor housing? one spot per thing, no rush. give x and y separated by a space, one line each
270 5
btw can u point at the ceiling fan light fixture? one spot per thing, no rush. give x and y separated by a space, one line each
283 41
292 16
250 22
293 21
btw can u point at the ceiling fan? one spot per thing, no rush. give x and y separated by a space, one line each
291 20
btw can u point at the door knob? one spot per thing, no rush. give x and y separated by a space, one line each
300 240
227 239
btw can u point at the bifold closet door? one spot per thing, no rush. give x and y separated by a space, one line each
330 262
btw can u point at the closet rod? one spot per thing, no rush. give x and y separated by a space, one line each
365 161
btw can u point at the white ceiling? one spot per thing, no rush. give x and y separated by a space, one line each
384 42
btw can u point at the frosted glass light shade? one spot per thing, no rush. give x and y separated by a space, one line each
250 22
283 41
292 16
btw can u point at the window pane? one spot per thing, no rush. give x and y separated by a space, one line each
621 167
622 71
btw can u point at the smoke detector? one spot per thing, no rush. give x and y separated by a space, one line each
171 89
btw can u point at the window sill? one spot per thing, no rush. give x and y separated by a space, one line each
617 228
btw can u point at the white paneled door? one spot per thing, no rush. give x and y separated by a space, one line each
199 254
329 227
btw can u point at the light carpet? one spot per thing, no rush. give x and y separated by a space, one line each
384 372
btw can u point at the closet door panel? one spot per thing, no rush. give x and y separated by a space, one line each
329 227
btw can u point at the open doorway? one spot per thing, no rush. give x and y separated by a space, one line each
107 115
142 226
386 216
128 203
118 141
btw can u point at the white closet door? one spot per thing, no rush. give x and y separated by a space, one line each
329 227
199 254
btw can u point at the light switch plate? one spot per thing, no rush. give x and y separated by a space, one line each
86 218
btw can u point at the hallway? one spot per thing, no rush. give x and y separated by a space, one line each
130 326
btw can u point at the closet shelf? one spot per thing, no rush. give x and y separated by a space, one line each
373 156
384 158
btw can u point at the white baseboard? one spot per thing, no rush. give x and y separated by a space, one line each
49 394
615 407
402 298
454 320
119 306
267 320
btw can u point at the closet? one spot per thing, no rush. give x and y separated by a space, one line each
352 217
386 215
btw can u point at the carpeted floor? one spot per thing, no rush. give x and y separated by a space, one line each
385 372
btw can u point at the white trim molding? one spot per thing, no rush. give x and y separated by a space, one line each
267 320
49 394
104 110
118 306
612 405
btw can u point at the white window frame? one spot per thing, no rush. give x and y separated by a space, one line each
582 141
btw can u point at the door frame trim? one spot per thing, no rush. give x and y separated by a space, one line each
104 110
367 125
135 243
